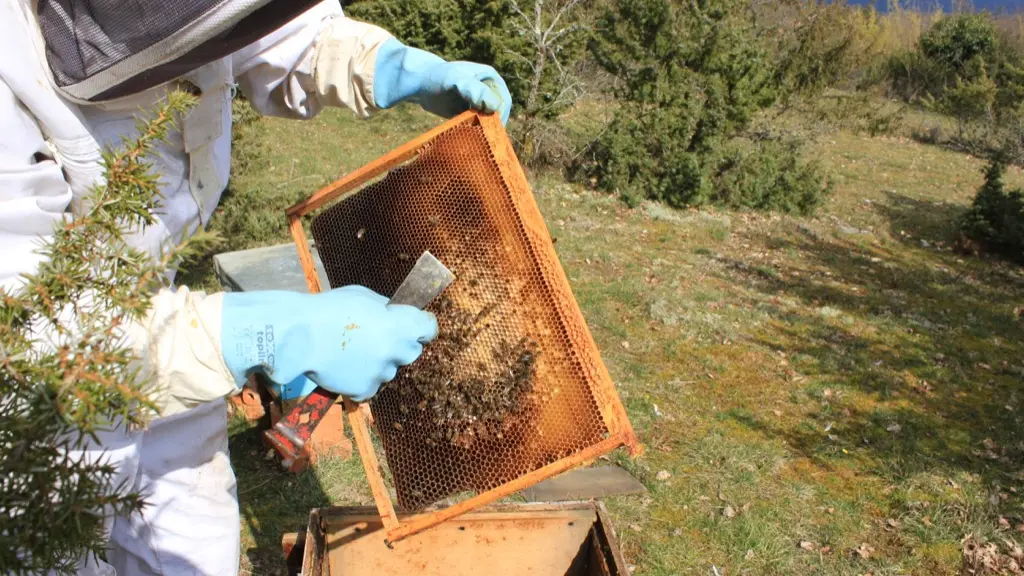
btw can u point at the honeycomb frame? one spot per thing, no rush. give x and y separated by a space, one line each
526 240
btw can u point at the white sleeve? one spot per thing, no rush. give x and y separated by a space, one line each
179 343
319 59
33 192
179 347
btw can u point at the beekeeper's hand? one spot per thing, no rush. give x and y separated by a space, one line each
444 88
348 340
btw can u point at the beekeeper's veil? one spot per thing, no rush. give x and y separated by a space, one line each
98 50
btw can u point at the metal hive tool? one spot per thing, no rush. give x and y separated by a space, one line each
525 393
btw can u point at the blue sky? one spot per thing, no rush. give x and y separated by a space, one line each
992 5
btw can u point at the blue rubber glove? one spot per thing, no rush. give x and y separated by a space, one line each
444 88
348 340
298 388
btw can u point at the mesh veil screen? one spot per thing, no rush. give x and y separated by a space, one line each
84 37
104 49
513 382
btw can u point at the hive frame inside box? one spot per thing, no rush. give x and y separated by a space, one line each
620 431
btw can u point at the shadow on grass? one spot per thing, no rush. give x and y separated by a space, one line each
912 220
933 343
272 501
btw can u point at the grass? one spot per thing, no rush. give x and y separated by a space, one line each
831 395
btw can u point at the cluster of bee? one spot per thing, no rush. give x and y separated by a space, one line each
449 396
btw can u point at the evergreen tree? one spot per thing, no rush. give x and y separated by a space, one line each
691 76
66 370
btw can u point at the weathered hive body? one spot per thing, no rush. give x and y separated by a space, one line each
514 390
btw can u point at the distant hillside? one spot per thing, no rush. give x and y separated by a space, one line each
994 6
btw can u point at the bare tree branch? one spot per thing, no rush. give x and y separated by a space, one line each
566 8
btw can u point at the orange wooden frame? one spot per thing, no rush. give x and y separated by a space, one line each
620 430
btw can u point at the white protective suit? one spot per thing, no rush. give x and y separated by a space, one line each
49 154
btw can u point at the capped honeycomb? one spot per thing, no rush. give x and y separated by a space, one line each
514 381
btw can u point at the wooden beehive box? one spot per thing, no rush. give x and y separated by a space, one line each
567 539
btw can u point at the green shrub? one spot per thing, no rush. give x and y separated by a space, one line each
690 78
912 76
996 217
958 51
772 175
970 100
435 25
66 369
958 40
961 69
819 45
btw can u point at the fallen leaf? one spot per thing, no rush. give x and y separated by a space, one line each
663 475
828 393
989 444
1004 523
729 512
894 428
1015 551
825 549
749 555
625 345
677 532
924 388
927 521
634 527
777 413
1020 528
892 523
745 507
721 496
864 550
809 546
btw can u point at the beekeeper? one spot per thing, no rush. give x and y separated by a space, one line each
72 75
